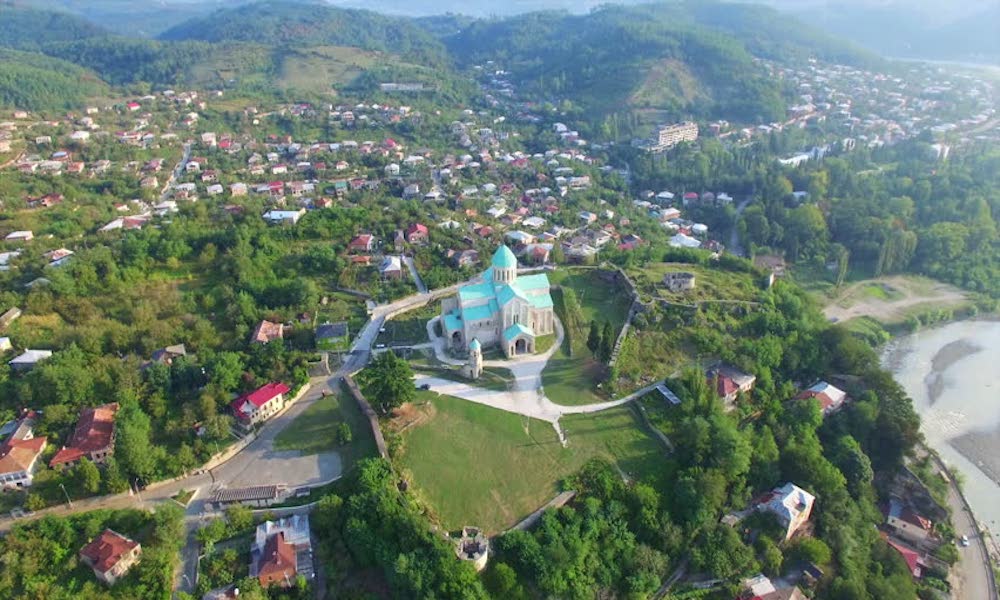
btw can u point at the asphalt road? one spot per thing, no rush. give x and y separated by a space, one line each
971 576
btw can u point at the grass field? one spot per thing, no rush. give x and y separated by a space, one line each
571 378
476 465
410 327
315 430
710 284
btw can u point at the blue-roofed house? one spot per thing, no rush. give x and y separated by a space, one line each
501 309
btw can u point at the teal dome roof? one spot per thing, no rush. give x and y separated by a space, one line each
474 344
503 258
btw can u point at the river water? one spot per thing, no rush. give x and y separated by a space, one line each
952 373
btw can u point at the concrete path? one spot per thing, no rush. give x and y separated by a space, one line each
416 276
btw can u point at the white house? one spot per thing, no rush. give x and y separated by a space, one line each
276 217
791 504
260 404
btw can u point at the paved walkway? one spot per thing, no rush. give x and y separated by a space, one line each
527 397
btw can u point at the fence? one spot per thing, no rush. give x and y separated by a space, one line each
369 413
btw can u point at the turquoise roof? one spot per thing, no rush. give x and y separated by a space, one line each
503 258
515 331
475 291
537 281
474 344
508 293
452 322
541 300
479 313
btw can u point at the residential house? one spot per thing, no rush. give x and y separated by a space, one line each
362 243
790 504
281 551
463 258
267 331
59 257
332 336
5 344
238 189
411 191
166 356
587 217
29 359
830 398
915 562
110 555
391 268
907 523
728 382
19 236
19 452
417 233
260 404
6 257
9 316
94 437
280 217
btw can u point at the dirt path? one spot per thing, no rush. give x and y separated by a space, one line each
899 295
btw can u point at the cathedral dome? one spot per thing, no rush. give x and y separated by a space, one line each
503 258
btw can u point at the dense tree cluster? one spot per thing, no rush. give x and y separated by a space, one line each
41 559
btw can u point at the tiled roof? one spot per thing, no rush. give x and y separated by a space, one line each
18 455
267 331
278 560
107 549
94 432
260 396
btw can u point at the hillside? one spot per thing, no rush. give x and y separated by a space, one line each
127 17
33 81
609 59
302 24
30 29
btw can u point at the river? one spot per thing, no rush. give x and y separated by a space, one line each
951 372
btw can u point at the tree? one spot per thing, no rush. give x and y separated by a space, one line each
388 381
344 435
132 442
607 342
594 339
87 476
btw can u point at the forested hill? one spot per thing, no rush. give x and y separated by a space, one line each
32 81
680 57
284 23
30 29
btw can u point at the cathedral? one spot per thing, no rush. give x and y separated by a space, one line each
500 308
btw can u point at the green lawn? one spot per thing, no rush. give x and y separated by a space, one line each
476 465
410 327
315 430
710 283
573 379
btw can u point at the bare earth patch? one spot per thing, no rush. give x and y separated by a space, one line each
903 295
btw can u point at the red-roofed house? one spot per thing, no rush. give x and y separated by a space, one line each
729 382
416 233
260 404
278 564
267 331
19 453
94 437
362 243
110 555
830 398
914 561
